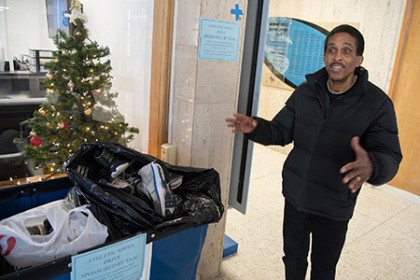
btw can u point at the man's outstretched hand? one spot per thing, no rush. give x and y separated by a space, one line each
358 171
241 123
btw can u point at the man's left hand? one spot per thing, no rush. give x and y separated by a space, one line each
358 171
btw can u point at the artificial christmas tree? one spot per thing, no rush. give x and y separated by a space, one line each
79 105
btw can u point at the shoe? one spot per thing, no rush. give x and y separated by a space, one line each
154 186
135 183
85 170
111 163
42 229
175 180
118 183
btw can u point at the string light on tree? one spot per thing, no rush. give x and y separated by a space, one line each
70 85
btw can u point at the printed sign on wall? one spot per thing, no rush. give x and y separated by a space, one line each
218 40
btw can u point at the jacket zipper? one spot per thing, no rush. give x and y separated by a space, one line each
325 107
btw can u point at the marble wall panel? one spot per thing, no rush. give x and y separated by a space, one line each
183 114
217 82
187 22
185 73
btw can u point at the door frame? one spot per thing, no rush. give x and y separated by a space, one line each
163 18
248 97
401 47
404 180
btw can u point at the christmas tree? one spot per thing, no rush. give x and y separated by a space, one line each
79 105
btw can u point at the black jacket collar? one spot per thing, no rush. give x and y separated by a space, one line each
319 79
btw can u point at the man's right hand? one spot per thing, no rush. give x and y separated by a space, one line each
241 123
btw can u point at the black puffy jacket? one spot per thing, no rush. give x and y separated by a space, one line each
321 132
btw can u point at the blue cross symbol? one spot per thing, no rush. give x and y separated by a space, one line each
237 12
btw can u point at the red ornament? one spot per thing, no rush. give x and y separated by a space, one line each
35 141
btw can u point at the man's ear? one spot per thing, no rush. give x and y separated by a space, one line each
359 60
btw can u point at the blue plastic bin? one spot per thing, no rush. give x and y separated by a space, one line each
174 256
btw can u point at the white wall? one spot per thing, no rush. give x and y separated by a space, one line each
125 26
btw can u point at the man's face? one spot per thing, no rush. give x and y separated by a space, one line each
340 58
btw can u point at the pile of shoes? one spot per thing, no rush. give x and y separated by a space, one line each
132 192
149 181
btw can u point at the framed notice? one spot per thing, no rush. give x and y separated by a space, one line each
218 40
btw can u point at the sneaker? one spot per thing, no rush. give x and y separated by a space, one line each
153 185
41 229
85 170
175 180
111 163
135 182
118 183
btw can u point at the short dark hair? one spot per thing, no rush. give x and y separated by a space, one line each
352 32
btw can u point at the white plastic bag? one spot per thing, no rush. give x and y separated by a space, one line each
72 231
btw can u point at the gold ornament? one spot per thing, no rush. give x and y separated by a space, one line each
88 111
41 111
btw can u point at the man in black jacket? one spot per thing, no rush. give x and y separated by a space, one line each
344 133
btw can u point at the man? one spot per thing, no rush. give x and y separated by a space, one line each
344 132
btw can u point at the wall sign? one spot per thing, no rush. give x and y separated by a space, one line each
218 40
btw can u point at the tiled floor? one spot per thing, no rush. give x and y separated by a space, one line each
383 241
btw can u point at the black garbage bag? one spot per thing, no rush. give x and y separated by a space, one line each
200 194
126 211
